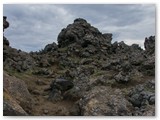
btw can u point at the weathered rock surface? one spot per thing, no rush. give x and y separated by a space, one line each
149 44
85 37
142 98
91 76
103 101
5 41
58 87
50 47
12 108
18 60
17 99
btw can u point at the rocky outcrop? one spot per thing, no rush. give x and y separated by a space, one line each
5 26
149 44
58 87
50 48
5 41
17 99
91 76
142 98
11 107
148 66
84 36
18 60
103 101
5 23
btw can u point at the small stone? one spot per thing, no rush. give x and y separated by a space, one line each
45 111
40 82
36 92
152 100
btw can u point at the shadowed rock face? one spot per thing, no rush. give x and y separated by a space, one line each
62 84
149 44
12 108
91 76
59 86
81 32
5 23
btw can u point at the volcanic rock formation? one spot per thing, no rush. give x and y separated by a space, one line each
85 74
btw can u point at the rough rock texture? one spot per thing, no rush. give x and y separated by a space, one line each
11 107
85 36
85 74
142 98
17 99
5 23
5 41
103 101
58 87
50 47
149 44
18 60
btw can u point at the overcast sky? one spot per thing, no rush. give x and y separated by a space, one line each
33 26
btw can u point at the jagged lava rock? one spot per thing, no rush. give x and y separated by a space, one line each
50 47
149 44
5 23
83 33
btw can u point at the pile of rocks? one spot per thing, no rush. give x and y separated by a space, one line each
87 39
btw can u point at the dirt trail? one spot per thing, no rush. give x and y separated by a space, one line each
43 106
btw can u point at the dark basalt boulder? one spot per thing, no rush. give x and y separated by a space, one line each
58 87
108 37
5 23
62 84
5 41
141 95
5 26
149 44
50 47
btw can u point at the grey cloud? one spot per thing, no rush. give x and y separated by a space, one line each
35 25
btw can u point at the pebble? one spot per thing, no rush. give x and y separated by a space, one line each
40 82
45 111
